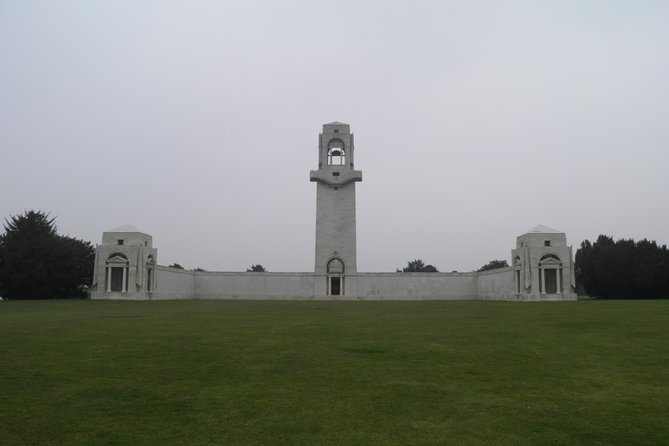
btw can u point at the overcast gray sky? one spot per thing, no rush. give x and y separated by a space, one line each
197 121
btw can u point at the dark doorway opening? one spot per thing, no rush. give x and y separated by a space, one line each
551 281
335 286
149 280
116 279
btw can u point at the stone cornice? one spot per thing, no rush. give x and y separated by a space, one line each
327 177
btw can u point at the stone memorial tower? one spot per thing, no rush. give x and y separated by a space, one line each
335 207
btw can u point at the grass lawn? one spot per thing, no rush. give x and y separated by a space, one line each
318 373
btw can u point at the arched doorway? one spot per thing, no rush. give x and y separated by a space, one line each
335 279
117 266
550 276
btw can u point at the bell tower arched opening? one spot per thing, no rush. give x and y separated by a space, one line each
336 153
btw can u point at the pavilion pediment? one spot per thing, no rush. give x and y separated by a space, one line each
118 259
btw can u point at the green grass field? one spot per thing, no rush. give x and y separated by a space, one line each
233 372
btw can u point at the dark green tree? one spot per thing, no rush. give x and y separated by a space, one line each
176 266
622 268
256 269
583 268
418 266
37 263
494 264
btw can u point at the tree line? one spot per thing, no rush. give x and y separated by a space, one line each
622 268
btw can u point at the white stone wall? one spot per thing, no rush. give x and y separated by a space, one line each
496 284
173 283
243 285
179 284
412 286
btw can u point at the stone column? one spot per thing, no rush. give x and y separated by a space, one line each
125 278
557 278
542 286
108 276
